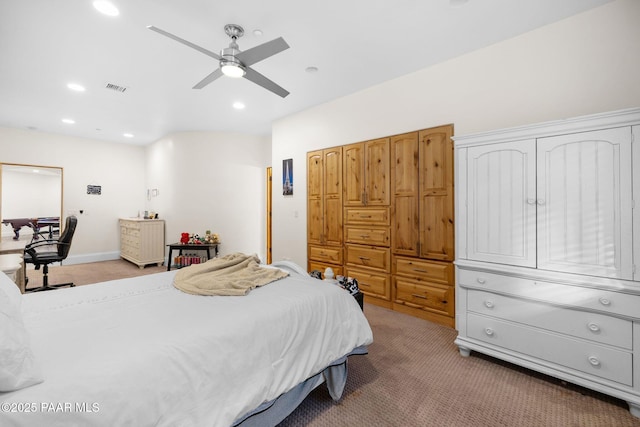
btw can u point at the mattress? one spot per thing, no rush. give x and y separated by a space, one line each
140 352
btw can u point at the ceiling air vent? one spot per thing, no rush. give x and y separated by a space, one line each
117 88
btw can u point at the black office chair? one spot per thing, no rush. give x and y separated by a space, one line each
44 257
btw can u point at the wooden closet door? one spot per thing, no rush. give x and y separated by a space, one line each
315 211
353 172
333 196
404 182
377 175
501 205
585 202
436 193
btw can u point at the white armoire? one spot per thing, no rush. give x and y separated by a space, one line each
548 249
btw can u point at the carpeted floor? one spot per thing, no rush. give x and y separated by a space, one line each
414 376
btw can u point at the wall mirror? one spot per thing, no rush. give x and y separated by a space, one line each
29 192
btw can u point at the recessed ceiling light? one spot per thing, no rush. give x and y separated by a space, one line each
68 121
238 105
311 69
106 7
76 87
127 135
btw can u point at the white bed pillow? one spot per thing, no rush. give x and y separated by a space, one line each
11 289
18 367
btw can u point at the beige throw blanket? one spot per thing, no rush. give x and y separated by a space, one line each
234 274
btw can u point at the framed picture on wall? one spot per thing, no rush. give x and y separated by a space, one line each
287 177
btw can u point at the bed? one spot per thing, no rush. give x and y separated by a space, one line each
140 352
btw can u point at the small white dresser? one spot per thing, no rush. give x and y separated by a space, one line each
548 249
142 241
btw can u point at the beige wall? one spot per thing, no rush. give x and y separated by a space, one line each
118 168
212 181
585 64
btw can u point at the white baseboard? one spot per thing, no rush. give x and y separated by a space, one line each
95 257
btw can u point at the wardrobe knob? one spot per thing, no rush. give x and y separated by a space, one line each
531 201
488 331
488 304
594 361
605 301
593 327
481 280
541 202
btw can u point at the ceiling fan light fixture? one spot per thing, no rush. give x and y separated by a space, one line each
232 69
106 7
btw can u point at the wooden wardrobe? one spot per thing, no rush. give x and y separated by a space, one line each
383 214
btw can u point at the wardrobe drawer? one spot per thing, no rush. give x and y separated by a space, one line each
368 236
371 283
369 256
604 362
326 254
322 266
588 325
419 269
431 296
374 216
568 295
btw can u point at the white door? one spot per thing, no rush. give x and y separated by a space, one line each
585 202
501 207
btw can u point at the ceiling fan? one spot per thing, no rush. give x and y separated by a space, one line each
233 62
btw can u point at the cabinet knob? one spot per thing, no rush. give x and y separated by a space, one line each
593 327
489 331
605 301
531 201
481 280
594 361
541 202
488 304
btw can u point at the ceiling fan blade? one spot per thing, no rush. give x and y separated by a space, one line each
211 77
261 80
263 51
184 42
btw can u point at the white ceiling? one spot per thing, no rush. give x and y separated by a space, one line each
355 44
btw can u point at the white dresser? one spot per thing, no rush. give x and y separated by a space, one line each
548 249
142 241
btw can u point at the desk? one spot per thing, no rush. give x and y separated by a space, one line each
191 247
34 223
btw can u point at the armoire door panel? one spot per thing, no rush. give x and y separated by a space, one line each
584 202
333 221
353 172
314 174
333 173
404 149
378 175
315 222
405 235
436 227
501 208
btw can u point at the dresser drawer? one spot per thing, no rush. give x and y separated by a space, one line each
371 283
373 216
588 325
568 295
322 266
419 269
326 254
368 235
584 356
369 256
431 296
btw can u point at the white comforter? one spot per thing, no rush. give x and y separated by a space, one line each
139 352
